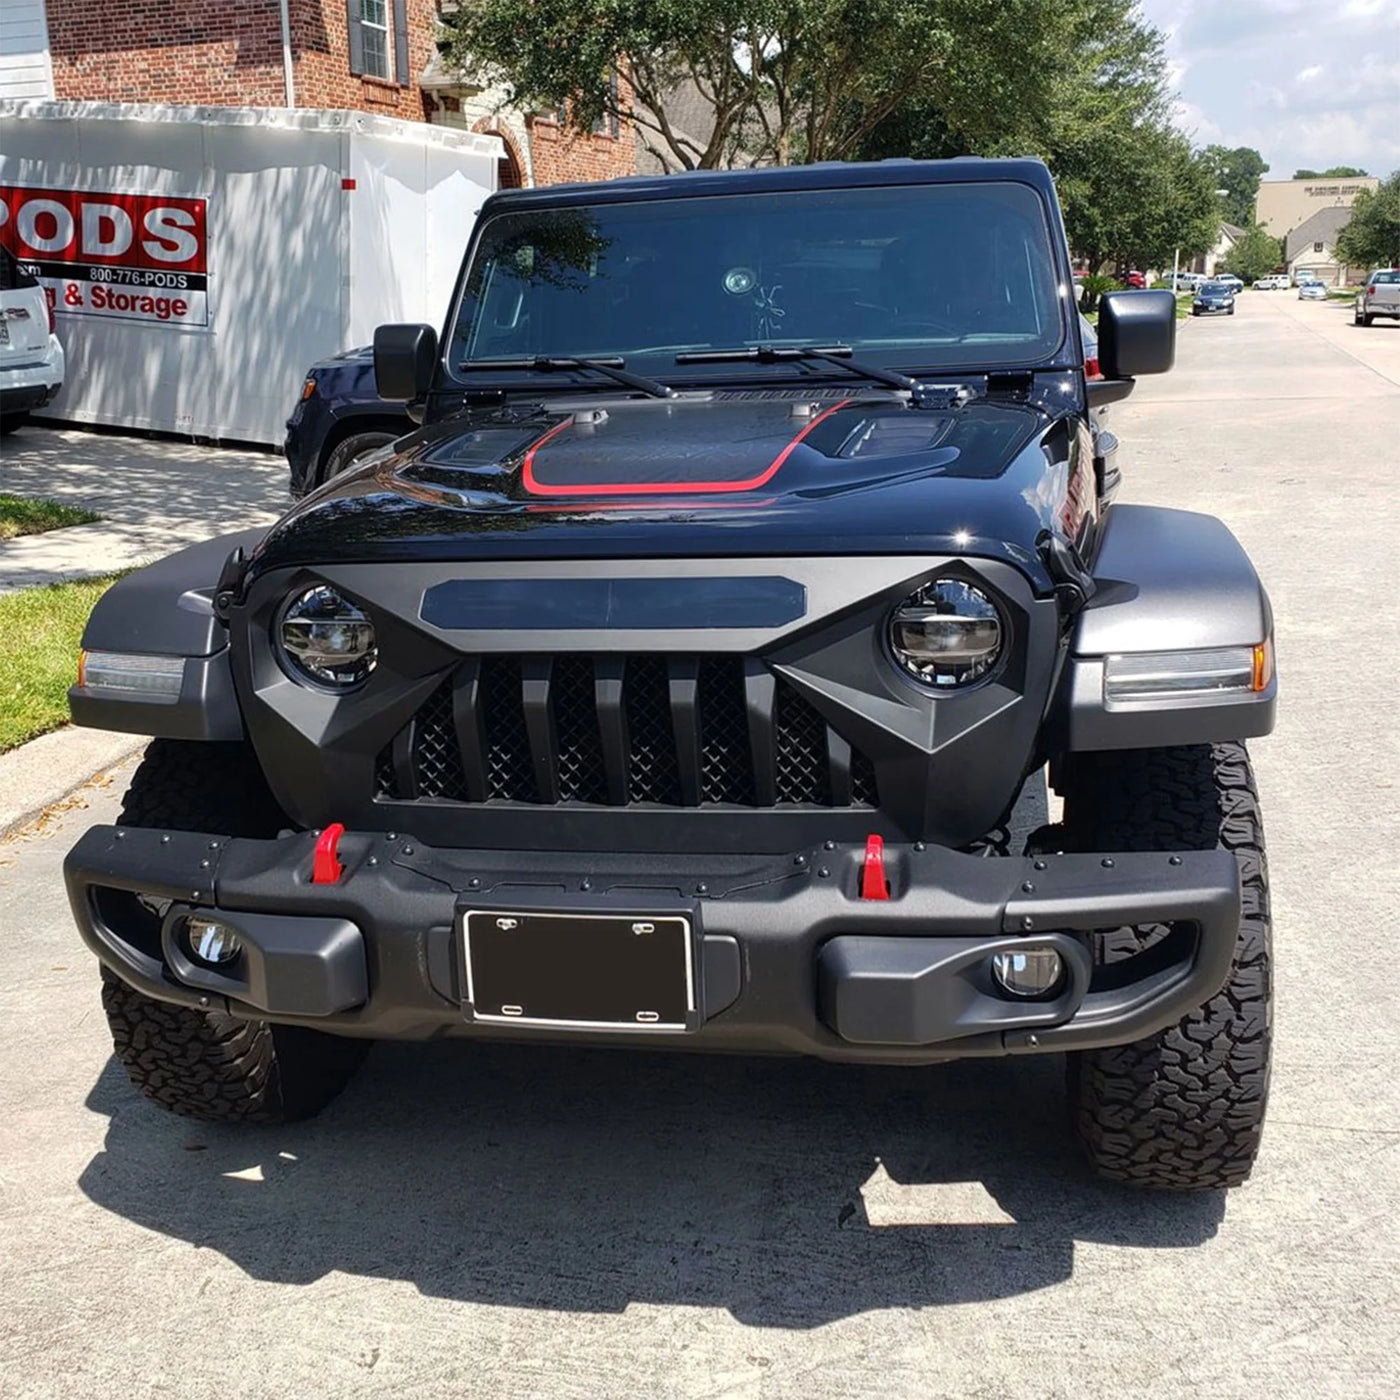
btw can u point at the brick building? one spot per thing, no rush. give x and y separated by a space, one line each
375 56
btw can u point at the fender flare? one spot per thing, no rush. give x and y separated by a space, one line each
167 609
1167 581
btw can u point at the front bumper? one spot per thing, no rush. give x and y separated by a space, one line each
789 957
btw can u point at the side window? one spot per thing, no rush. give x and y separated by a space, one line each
607 125
378 31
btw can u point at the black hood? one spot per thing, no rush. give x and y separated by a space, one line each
777 472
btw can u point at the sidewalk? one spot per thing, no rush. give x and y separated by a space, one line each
154 497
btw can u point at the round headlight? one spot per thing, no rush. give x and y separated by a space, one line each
327 640
947 634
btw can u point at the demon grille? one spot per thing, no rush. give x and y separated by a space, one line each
679 731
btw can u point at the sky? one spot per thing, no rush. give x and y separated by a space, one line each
1307 83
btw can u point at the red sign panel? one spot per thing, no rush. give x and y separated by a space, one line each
133 256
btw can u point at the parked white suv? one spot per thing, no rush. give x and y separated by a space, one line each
1274 282
31 358
1379 297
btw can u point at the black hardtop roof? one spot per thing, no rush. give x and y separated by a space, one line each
826 175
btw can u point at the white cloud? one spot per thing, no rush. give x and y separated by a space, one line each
1306 82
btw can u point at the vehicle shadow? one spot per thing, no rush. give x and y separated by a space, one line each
791 1193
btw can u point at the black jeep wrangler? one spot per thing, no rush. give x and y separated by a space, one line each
675 682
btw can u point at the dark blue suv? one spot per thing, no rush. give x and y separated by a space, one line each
339 419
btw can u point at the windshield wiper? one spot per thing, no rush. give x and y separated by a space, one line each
838 355
613 368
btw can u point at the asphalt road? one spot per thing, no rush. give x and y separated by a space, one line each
564 1224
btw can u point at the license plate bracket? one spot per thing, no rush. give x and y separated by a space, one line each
569 970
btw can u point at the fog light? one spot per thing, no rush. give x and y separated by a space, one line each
1029 972
211 942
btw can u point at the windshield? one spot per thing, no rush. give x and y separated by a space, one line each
1215 288
917 276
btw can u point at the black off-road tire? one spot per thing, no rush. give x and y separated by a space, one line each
1184 1109
358 445
204 1064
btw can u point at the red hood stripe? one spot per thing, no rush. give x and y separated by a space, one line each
662 488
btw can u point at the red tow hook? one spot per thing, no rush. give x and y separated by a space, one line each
326 868
873 884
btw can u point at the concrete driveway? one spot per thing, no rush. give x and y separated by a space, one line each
562 1224
154 496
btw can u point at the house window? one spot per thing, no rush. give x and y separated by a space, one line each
374 35
1317 247
373 53
607 124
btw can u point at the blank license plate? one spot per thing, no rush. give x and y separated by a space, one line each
580 971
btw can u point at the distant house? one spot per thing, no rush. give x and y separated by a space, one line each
1229 235
1312 247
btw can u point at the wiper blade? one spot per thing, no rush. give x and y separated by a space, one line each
838 355
612 367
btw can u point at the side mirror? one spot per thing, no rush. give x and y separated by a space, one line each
405 359
1137 333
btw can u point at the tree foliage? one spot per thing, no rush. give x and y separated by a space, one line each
1254 256
782 80
1372 238
1335 172
1238 173
1079 82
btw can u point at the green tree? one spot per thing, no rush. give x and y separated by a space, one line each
1238 173
1107 74
1336 172
1253 256
1372 237
781 80
1136 197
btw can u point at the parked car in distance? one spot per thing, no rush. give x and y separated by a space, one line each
1187 281
31 357
1379 297
1228 279
1135 281
339 420
1274 282
1312 291
1213 297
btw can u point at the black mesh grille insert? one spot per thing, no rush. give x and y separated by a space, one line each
726 765
579 754
653 774
804 771
644 733
864 793
509 773
386 780
437 758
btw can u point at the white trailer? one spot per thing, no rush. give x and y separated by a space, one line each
198 259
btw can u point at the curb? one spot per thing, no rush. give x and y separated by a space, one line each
54 766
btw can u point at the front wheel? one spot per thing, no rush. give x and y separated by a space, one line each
1182 1110
352 451
204 1064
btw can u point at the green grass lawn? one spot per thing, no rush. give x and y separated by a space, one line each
24 515
39 633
